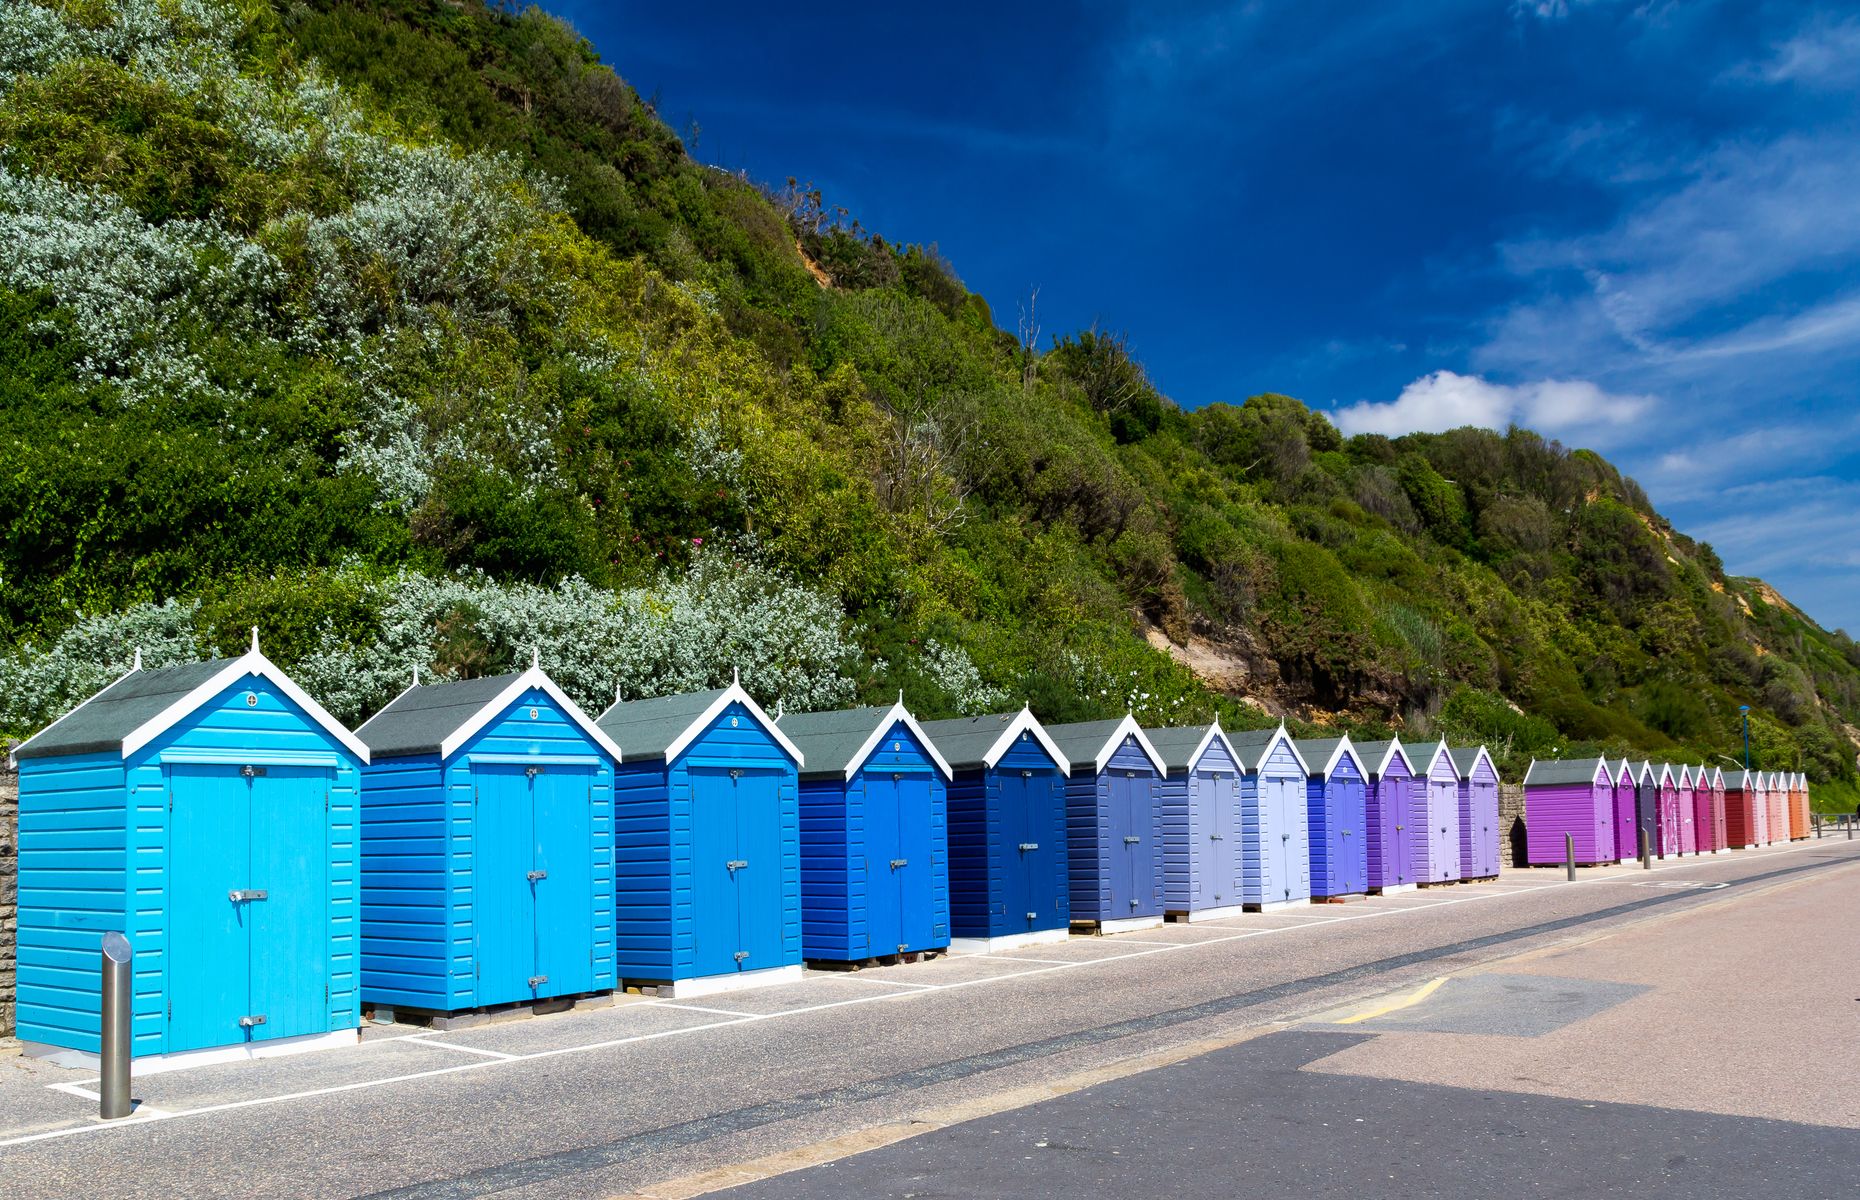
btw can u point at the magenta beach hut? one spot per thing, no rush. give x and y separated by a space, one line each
1437 840
1666 782
1573 800
1395 805
1688 811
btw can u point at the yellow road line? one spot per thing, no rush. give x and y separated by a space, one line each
1409 1001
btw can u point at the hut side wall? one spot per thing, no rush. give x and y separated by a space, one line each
1577 809
416 942
73 888
975 883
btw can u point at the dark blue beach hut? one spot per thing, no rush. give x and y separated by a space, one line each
1007 832
1395 803
206 812
874 835
1201 830
1275 844
1337 806
1647 805
1113 823
487 846
1478 798
1437 841
707 830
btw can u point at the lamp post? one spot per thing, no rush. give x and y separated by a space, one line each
1745 710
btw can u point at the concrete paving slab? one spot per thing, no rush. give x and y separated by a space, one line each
556 1033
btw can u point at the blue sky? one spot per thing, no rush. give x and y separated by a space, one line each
1632 226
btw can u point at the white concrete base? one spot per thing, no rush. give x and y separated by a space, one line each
156 1064
1396 889
1008 941
1276 905
711 985
1212 914
1130 924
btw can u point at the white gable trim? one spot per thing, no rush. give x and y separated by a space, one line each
897 712
1336 756
1625 769
734 694
1666 775
1127 727
1487 756
1265 752
1395 748
1441 749
1208 739
1025 722
1686 778
250 663
531 678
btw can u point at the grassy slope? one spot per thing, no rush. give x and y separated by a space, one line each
1046 511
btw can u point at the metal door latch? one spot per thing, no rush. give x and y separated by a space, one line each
251 1021
1217 837
1131 841
537 981
1026 846
533 876
240 895
735 865
1133 902
1026 774
1032 916
1285 837
741 955
900 862
532 772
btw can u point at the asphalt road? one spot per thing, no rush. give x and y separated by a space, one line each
677 1098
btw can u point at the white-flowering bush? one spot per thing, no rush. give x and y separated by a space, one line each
1091 679
951 669
690 632
39 684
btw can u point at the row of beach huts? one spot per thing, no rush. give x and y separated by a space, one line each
1598 811
487 843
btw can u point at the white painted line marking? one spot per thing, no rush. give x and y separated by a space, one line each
73 1089
467 1049
1056 962
1047 967
682 1006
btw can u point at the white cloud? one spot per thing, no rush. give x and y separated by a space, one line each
1448 400
1821 52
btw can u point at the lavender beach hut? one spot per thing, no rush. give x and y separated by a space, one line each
1437 840
1395 805
1201 830
1478 800
1574 799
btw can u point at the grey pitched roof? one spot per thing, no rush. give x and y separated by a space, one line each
422 717
830 739
107 718
1465 758
1080 741
645 728
1566 771
963 741
1177 744
1317 751
1372 754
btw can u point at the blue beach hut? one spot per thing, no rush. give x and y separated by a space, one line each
874 835
1113 823
1201 830
1275 845
1007 832
207 812
487 846
1336 801
707 829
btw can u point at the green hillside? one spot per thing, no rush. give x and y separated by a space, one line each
407 332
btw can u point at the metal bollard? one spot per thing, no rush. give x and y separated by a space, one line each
1569 855
113 1091
1646 850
